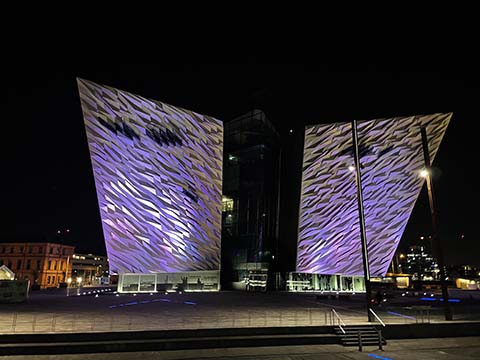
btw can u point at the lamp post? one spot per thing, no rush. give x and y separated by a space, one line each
69 281
79 283
399 267
427 174
361 217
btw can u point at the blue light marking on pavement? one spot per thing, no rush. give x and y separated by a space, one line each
148 301
401 315
379 357
435 299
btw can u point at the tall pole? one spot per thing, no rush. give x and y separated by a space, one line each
361 217
433 213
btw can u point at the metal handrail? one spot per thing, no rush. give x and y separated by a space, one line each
340 321
378 318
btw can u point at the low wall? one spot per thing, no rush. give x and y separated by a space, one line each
432 330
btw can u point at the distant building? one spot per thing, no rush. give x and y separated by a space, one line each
466 276
420 263
251 168
43 264
92 269
463 271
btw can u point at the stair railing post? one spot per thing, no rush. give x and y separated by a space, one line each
380 341
359 341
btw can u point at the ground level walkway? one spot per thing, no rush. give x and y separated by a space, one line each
423 349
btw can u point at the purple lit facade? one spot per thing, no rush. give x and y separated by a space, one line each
391 157
158 175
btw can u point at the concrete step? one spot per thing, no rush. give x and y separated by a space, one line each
368 333
40 348
161 334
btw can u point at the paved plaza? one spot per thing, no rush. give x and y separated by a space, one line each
105 311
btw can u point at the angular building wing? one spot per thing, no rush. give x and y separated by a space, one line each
158 175
391 156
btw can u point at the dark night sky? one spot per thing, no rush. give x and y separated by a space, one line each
48 182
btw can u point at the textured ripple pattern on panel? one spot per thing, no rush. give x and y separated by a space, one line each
391 156
158 175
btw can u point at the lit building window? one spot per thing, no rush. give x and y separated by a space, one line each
227 204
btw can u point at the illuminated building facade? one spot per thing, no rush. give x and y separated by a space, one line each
92 269
158 176
45 265
391 158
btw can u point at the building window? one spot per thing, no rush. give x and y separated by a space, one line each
29 264
49 264
63 251
19 264
51 250
38 264
40 250
11 250
1 262
54 265
30 249
21 249
53 279
48 280
227 204
3 250
10 265
60 265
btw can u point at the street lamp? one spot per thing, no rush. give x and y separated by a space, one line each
361 217
69 281
433 212
79 282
